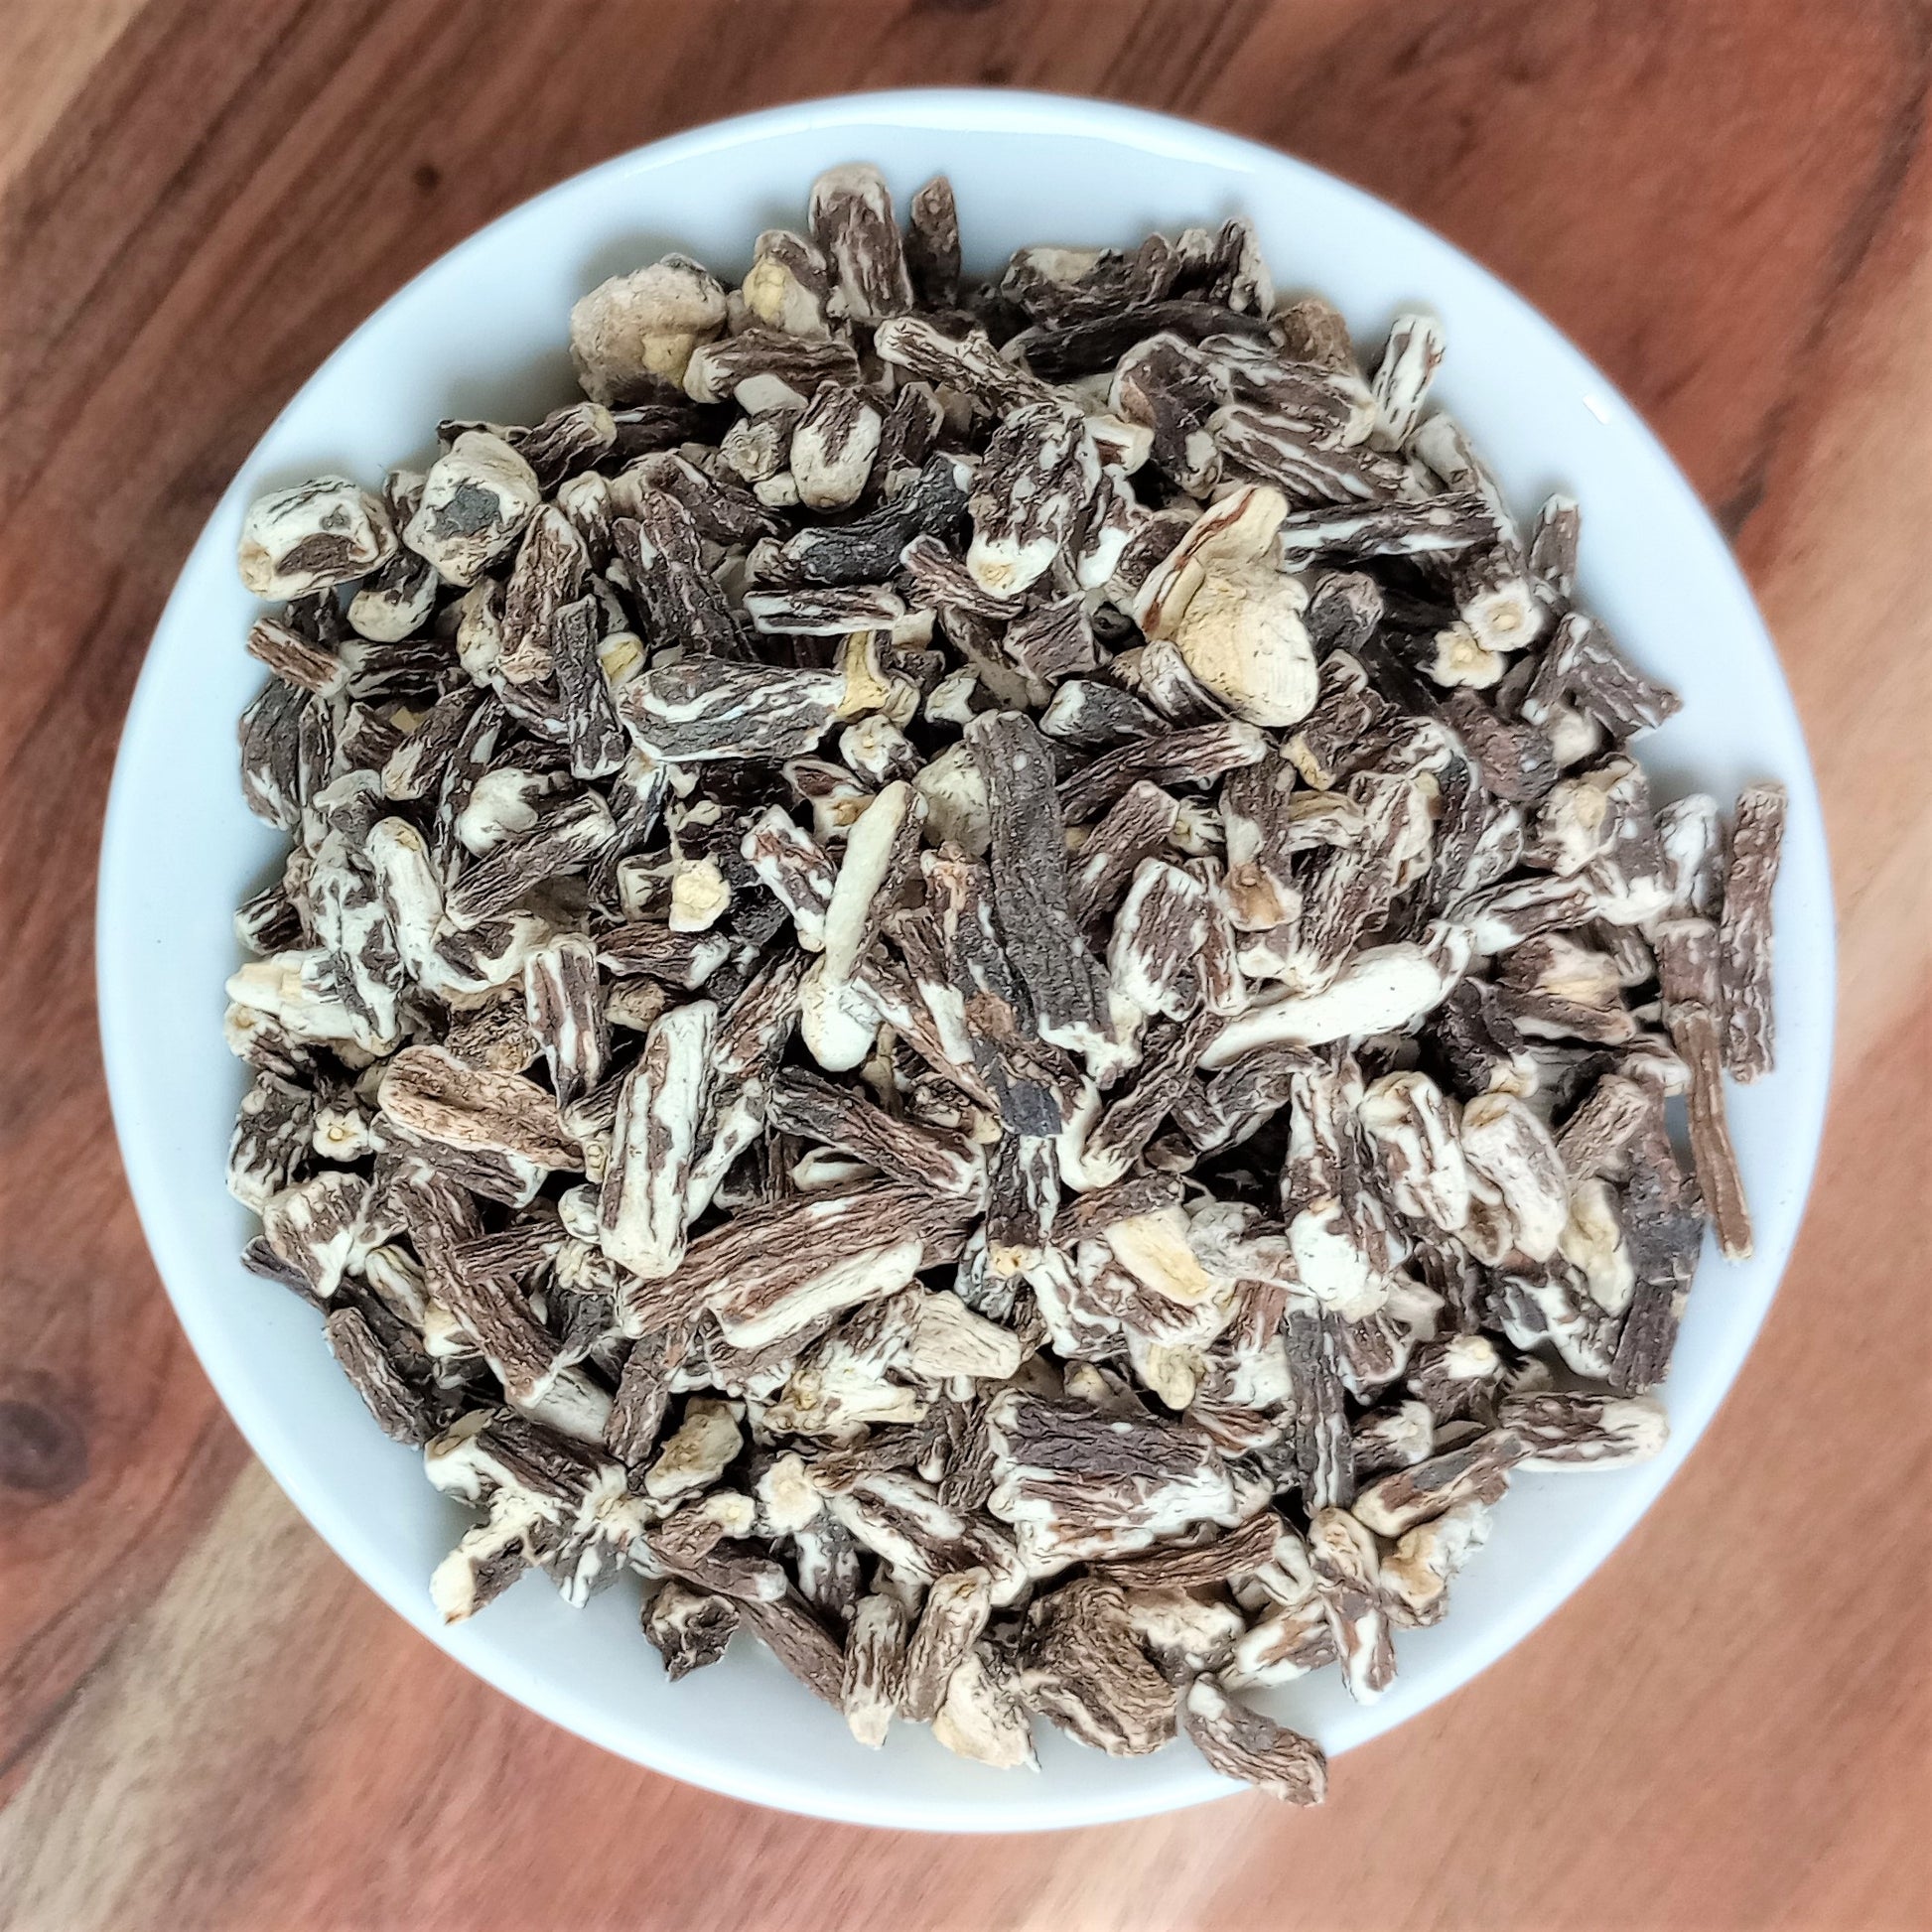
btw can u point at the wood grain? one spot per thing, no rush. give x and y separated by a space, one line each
206 1721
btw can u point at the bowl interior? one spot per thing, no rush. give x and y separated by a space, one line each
480 334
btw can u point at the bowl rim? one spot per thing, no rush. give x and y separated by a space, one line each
972 113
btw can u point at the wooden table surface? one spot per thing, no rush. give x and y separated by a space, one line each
205 1721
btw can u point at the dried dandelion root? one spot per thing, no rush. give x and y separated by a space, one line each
974 974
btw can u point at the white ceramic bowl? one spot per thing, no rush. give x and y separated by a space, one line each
481 333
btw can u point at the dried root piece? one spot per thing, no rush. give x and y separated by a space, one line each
690 1627
1519 1196
1241 1744
638 331
1086 1671
800 1643
1410 360
981 1716
766 1279
932 244
1417 1138
852 220
833 446
956 1609
1028 854
476 500
401 1410
1664 1229
1383 989
1323 1449
1745 970
1690 973
1080 1485
816 1110
1034 480
763 370
640 1217
309 537
432 1093
593 730
1286 1641
974 972
796 869
708 708
873 1675
1478 1471
1415 1576
1240 1553
1349 1578
1235 616
1583 671
968 363
564 1005
1573 1431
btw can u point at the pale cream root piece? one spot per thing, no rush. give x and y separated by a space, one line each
642 325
